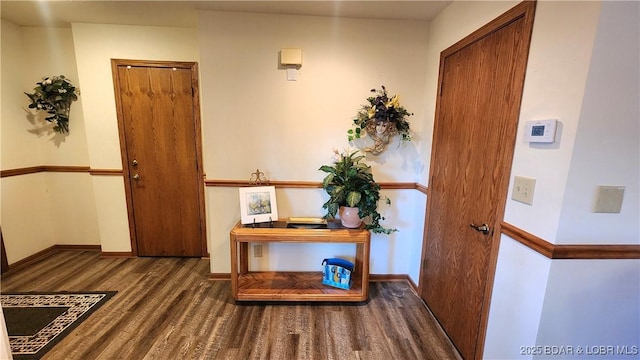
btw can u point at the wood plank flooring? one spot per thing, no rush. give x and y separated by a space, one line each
168 308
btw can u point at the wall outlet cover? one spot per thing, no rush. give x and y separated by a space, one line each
257 250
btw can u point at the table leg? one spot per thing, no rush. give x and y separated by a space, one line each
244 258
362 266
234 266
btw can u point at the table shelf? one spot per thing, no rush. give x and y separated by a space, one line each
293 286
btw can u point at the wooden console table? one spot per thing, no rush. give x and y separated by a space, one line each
296 286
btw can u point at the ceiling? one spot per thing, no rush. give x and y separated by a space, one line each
59 13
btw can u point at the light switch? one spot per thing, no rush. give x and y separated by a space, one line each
609 199
523 188
292 73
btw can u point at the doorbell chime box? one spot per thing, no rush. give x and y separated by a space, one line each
541 131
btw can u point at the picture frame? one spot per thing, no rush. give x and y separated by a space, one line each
258 204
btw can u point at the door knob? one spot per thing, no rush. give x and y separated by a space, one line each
484 228
136 177
134 162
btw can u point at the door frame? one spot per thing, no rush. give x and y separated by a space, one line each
526 11
193 66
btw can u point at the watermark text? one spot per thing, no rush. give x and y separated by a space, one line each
595 350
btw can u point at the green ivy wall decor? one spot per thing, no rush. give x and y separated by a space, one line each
54 95
381 119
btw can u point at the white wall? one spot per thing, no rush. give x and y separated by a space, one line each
71 204
42 209
553 89
254 118
590 85
95 46
27 226
592 303
18 143
20 149
597 302
519 291
246 97
48 52
607 146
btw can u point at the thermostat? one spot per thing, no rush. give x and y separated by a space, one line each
541 131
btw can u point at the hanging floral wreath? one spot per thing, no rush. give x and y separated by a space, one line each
54 95
382 118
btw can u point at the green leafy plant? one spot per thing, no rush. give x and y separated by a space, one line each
381 110
54 95
349 182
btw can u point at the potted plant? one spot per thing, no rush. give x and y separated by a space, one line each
54 95
350 184
381 119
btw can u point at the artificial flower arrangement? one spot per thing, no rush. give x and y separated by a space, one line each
349 182
381 118
54 95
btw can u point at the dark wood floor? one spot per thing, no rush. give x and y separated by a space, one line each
168 308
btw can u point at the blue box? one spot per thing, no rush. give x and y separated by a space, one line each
337 273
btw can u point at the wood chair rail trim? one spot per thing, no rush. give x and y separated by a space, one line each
550 250
571 251
42 168
59 169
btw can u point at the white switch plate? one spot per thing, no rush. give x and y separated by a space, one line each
523 188
609 199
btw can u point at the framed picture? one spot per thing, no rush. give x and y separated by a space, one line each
258 204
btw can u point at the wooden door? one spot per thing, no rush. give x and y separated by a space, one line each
481 80
158 112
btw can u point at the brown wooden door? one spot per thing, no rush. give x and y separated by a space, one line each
481 80
159 121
